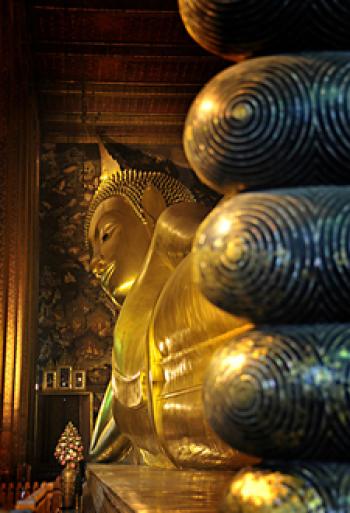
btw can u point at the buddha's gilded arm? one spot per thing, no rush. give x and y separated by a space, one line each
108 443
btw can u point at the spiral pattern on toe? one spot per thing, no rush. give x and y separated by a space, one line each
282 392
235 29
329 24
273 122
300 487
279 256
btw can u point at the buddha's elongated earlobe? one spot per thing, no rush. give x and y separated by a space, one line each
153 205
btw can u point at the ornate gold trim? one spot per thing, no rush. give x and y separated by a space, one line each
64 382
76 385
49 380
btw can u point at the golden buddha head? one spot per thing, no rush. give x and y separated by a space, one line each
121 220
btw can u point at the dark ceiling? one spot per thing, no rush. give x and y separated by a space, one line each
126 69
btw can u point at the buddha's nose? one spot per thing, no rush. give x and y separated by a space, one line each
97 266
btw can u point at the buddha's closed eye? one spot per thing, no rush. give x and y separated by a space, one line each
107 232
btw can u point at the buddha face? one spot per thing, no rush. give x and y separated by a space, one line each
119 242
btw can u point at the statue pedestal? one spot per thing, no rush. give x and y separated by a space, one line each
131 489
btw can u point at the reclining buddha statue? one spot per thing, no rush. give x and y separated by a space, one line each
139 228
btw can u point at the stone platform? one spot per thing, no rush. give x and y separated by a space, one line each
131 489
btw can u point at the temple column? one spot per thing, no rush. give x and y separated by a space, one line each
18 235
